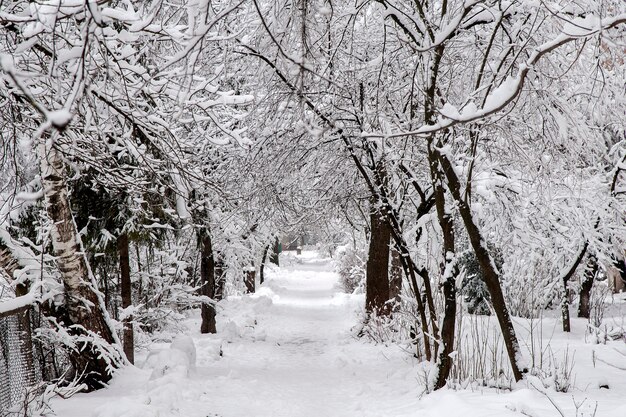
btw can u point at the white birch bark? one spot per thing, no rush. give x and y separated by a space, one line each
84 303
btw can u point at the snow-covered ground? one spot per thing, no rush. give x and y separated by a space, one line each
290 350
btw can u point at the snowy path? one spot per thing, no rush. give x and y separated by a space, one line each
300 359
289 351
309 363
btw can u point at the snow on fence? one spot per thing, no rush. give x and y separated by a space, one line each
17 369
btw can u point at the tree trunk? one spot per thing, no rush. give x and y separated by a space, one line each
8 261
565 307
220 277
491 275
565 279
83 303
395 280
408 265
584 297
249 279
617 276
409 272
377 267
262 266
207 276
449 272
126 293
274 256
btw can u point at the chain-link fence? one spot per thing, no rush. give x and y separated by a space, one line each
25 359
17 366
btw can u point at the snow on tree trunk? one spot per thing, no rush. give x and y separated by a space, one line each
8 262
274 256
249 278
565 291
84 307
220 277
262 266
395 280
565 307
584 296
491 274
126 293
449 272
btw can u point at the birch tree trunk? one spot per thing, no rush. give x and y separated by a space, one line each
84 307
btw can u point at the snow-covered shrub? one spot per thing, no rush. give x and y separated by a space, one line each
597 300
76 339
166 362
379 329
402 326
473 288
553 372
186 345
164 289
351 268
563 373
179 359
480 356
36 399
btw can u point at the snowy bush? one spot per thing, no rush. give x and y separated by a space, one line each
473 288
36 399
480 356
179 359
186 345
351 269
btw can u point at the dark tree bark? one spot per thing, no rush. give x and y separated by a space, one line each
126 293
395 278
449 272
410 273
8 262
491 275
220 277
410 269
274 256
249 278
377 267
207 276
104 285
565 307
584 296
262 266
565 279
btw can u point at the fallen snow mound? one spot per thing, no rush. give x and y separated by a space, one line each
178 359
